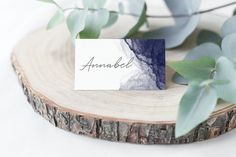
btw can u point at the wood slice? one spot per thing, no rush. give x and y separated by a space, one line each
44 64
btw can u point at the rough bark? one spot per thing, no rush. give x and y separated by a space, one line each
120 130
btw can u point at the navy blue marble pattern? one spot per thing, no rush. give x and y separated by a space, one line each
151 53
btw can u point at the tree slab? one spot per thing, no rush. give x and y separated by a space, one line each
44 64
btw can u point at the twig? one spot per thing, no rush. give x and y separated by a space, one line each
163 16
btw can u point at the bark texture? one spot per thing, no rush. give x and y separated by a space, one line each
120 130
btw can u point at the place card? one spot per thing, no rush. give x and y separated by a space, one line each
119 64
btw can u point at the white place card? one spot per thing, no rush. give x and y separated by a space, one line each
119 64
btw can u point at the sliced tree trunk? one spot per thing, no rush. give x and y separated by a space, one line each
44 64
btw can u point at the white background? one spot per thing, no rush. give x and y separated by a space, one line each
24 133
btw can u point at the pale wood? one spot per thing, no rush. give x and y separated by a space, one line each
44 63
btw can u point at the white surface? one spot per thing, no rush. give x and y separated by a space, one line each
106 78
24 133
121 70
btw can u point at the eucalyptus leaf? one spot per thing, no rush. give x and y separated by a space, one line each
76 21
226 71
208 36
195 106
95 21
113 17
141 21
204 50
178 79
198 70
47 1
229 27
56 19
94 4
176 35
229 47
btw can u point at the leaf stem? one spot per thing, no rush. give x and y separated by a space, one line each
57 5
211 75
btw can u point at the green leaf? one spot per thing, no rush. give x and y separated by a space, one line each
178 79
56 19
229 27
195 106
198 70
113 17
208 36
176 35
234 13
94 4
141 21
229 47
204 50
76 21
95 21
225 70
47 1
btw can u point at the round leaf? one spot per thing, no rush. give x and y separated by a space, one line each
229 27
176 35
229 47
76 21
204 50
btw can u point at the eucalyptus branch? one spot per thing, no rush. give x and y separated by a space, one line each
157 16
194 13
